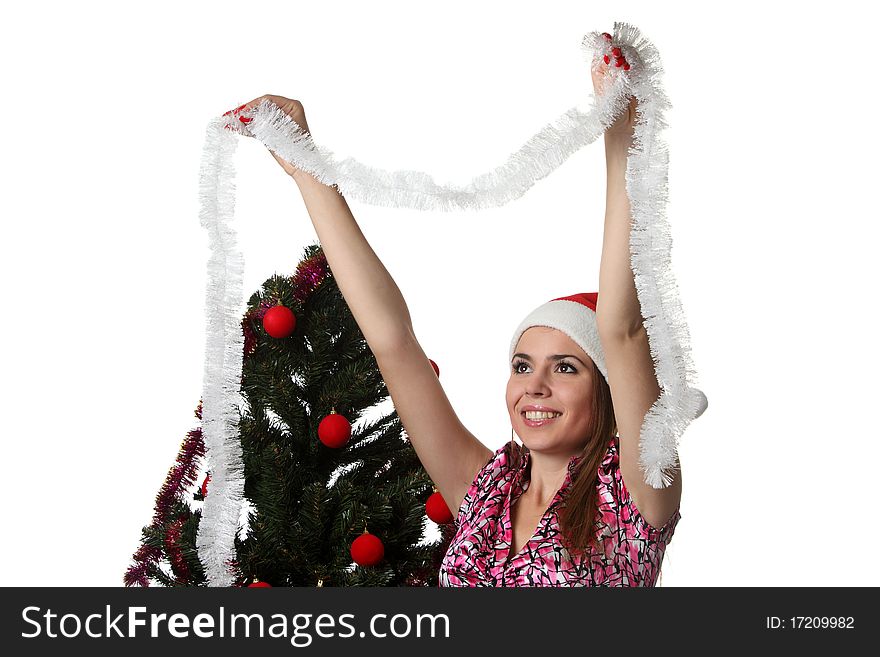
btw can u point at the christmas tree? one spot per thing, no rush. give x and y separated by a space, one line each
330 504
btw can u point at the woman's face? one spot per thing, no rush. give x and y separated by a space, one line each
565 385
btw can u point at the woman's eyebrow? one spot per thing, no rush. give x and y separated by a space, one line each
554 357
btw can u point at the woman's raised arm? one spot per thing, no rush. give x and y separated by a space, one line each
450 453
371 294
631 375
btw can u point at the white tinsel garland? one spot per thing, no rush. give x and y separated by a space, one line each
650 244
224 347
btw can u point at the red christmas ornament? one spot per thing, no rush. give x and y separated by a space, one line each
367 549
625 66
436 369
615 51
606 35
279 321
437 509
205 485
607 59
257 584
334 430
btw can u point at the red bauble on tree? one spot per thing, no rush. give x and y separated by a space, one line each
205 485
334 430
279 321
367 549
257 584
437 509
436 369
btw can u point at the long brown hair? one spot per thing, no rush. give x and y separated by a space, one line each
577 517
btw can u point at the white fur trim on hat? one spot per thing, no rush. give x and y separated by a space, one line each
574 319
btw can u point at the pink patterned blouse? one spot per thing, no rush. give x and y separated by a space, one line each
478 553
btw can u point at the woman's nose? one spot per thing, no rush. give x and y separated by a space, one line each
537 384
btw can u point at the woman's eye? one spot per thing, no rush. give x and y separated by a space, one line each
522 363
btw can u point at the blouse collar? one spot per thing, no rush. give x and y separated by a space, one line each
569 475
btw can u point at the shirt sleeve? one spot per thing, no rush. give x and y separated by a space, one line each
630 516
479 486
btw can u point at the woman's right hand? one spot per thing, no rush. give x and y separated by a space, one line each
624 126
294 109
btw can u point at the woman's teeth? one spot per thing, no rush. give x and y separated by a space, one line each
540 415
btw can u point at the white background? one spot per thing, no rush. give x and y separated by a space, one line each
104 261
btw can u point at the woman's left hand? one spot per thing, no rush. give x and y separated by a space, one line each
624 127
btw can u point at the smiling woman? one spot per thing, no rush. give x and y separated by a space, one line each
553 511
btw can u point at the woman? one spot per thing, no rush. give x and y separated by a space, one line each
556 511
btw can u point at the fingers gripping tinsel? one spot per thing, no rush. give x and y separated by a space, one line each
637 72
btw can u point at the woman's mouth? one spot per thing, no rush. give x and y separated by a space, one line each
538 419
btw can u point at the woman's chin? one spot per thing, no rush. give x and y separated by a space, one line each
540 438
